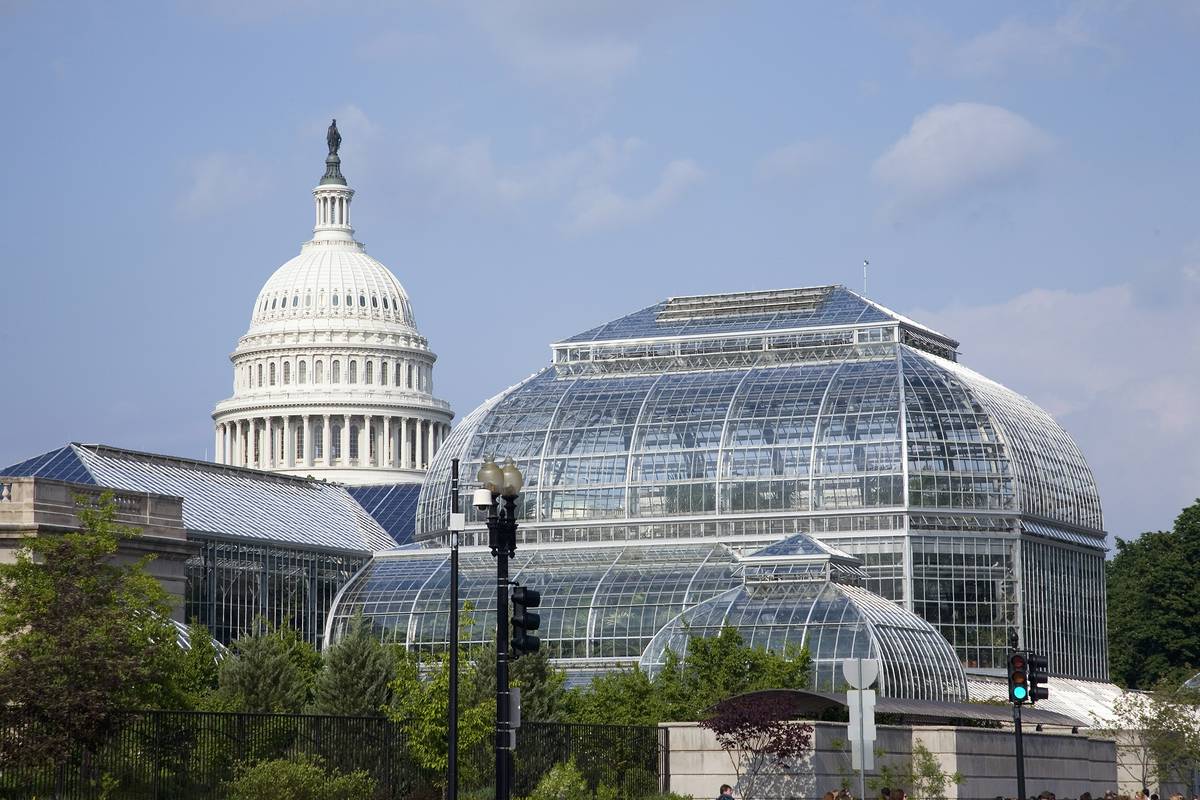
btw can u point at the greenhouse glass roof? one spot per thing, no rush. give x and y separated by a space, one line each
222 500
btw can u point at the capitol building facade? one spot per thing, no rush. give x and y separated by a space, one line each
333 380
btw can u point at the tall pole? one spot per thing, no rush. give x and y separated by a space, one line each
452 737
504 538
1020 753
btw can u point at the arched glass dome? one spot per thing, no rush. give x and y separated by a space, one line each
801 592
836 622
818 411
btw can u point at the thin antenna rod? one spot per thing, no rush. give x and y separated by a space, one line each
866 263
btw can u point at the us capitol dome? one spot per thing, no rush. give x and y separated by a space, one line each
332 379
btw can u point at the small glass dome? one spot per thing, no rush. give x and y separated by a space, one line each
817 604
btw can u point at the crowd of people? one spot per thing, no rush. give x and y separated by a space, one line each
899 794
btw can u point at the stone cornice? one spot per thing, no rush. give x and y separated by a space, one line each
241 407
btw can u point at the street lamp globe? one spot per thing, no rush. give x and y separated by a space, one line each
490 476
513 479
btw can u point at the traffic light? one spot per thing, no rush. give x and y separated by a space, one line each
524 621
1037 675
1018 678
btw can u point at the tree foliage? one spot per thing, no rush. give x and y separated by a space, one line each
199 669
921 776
1153 607
272 670
420 704
356 674
283 779
543 686
1157 734
82 636
715 668
760 734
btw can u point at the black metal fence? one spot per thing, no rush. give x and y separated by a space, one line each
155 755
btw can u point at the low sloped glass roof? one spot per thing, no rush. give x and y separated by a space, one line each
222 500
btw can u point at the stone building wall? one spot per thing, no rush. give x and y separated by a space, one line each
43 507
1065 763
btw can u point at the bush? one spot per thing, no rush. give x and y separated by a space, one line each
298 780
564 781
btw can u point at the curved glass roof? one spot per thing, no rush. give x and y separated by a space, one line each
625 603
881 426
836 621
598 603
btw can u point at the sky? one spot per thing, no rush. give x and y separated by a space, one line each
1021 176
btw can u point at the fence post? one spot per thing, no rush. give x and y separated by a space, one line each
664 760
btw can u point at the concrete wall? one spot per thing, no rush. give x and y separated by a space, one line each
1067 764
42 507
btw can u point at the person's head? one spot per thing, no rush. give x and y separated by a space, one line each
885 793
829 796
1085 796
726 789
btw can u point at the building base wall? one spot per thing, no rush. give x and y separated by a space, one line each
1064 763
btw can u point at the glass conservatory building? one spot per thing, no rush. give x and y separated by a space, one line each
714 425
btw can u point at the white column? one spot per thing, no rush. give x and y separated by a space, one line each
418 434
326 441
403 462
345 439
388 450
268 446
289 443
368 438
306 456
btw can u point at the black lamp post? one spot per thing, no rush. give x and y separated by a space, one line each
457 524
501 483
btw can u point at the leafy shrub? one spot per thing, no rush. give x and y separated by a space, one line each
564 781
298 780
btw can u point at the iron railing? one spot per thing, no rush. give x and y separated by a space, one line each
156 755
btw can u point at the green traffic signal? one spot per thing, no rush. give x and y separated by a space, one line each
1019 692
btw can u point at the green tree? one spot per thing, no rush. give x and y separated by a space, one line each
420 704
921 777
282 779
620 697
81 636
272 670
1153 609
357 674
543 687
715 668
1157 734
199 669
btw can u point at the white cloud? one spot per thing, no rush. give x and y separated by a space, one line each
952 150
582 180
1117 372
219 181
598 207
796 160
585 45
1014 44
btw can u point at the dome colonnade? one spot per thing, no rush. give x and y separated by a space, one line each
333 379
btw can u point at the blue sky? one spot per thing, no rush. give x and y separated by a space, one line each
1022 177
